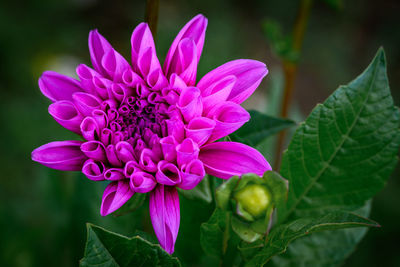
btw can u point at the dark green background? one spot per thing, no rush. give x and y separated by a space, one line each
43 212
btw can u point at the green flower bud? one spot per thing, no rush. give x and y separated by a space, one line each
254 199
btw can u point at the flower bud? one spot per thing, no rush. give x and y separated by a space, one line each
253 199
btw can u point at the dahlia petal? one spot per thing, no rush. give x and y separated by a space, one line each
228 117
90 129
86 102
57 87
249 74
168 146
218 93
156 80
102 87
144 58
176 82
125 151
226 159
168 173
184 62
186 151
98 47
165 215
106 136
176 129
114 174
115 195
194 29
86 75
60 155
94 170
114 64
192 173
131 78
120 92
130 168
190 103
66 114
100 117
112 157
199 129
147 161
94 150
142 182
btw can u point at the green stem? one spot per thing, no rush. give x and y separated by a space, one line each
290 70
151 15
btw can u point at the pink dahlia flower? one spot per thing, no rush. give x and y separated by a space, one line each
150 129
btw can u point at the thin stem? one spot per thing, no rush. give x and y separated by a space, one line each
290 71
151 15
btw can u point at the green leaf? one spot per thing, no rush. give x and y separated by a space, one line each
214 234
201 192
280 237
259 128
108 249
131 205
344 152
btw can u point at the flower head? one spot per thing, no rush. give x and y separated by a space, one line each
150 129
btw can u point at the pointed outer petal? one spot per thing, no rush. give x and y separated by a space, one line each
90 129
228 118
114 174
156 80
142 182
176 129
60 155
115 195
165 215
114 64
194 29
186 152
218 93
86 102
168 147
144 58
57 87
190 103
226 159
147 160
130 168
249 74
66 114
192 173
102 87
100 117
125 151
94 170
184 62
86 75
176 82
131 78
112 157
106 136
200 129
94 150
98 47
168 173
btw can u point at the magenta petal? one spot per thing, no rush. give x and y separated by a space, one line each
192 174
142 182
98 47
168 173
218 93
248 73
94 170
125 151
176 82
226 159
114 174
194 29
86 103
130 168
60 155
112 157
90 129
176 129
200 129
184 61
190 103
131 78
114 64
168 145
147 160
115 195
156 80
186 151
165 215
66 114
228 118
94 150
57 87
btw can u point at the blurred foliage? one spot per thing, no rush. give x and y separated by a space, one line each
43 212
